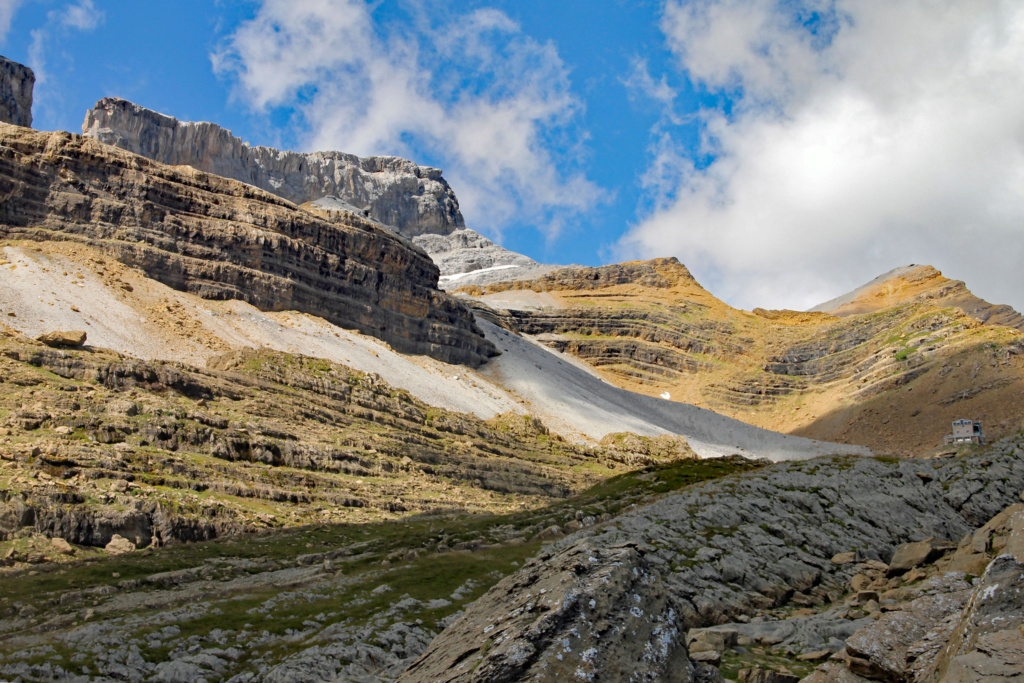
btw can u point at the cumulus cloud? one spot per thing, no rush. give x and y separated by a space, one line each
493 104
864 134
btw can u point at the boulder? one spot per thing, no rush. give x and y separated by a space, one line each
710 640
911 555
119 545
60 338
844 558
62 546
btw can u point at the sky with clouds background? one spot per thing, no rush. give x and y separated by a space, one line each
785 150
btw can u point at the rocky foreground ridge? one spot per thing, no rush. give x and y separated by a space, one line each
396 192
615 603
221 239
16 83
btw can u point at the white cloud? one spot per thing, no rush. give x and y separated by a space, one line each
473 91
8 8
84 16
892 133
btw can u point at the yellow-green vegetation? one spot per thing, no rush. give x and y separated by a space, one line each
259 439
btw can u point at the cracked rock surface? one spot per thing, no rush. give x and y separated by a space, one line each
715 553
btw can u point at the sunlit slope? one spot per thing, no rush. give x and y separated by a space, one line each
889 371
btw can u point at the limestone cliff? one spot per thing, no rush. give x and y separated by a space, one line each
396 192
16 83
221 239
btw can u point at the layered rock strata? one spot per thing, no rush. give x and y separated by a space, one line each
16 83
709 555
396 192
221 239
919 284
94 444
888 369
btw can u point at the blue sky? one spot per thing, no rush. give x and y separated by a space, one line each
785 150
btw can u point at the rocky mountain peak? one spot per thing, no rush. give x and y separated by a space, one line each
16 83
396 192
915 283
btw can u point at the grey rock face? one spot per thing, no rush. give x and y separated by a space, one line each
466 257
988 643
396 192
591 612
774 531
16 83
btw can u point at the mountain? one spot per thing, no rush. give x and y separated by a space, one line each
889 367
919 284
393 191
222 239
244 438
16 84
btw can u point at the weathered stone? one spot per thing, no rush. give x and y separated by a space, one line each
16 83
973 564
860 582
123 407
119 545
712 657
834 672
911 555
395 192
62 546
710 639
58 339
988 642
844 558
813 510
221 239
596 604
759 675
815 656
880 650
466 257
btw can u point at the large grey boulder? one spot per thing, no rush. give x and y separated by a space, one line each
16 83
396 192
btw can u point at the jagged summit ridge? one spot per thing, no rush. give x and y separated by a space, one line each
16 83
916 283
411 199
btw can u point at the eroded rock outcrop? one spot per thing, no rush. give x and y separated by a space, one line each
16 83
466 257
396 192
221 239
722 551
